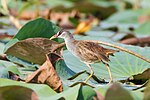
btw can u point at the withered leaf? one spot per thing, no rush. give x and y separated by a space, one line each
14 76
147 92
46 74
141 77
33 49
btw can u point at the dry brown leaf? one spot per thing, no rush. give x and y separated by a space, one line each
14 76
82 27
46 74
33 49
86 25
140 78
5 35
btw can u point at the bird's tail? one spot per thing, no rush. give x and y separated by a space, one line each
110 52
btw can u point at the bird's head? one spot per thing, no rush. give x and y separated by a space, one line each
62 34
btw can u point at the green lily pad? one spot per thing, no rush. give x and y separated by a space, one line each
123 17
22 93
2 46
70 94
116 92
6 66
147 92
43 91
63 71
37 28
143 29
77 92
86 93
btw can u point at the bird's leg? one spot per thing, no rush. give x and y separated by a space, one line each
91 74
110 75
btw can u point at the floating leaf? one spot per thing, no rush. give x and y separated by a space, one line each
103 89
70 94
5 67
123 17
60 66
17 93
147 92
86 93
37 28
143 29
116 92
43 91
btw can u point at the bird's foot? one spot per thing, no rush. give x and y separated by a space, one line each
110 82
85 81
88 78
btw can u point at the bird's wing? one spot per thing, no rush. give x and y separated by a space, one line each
91 50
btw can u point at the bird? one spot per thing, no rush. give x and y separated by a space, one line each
87 52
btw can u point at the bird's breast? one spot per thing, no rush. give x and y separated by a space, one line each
72 48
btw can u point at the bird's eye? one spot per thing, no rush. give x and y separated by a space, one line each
60 32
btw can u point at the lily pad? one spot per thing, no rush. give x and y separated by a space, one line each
143 29
147 92
109 91
22 93
43 91
5 67
70 94
37 28
123 17
116 92
86 93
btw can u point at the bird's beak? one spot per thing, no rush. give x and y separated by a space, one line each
53 37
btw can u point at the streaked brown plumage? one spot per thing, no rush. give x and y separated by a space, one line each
91 52
87 52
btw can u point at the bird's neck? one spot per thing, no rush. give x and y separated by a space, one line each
70 44
69 39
